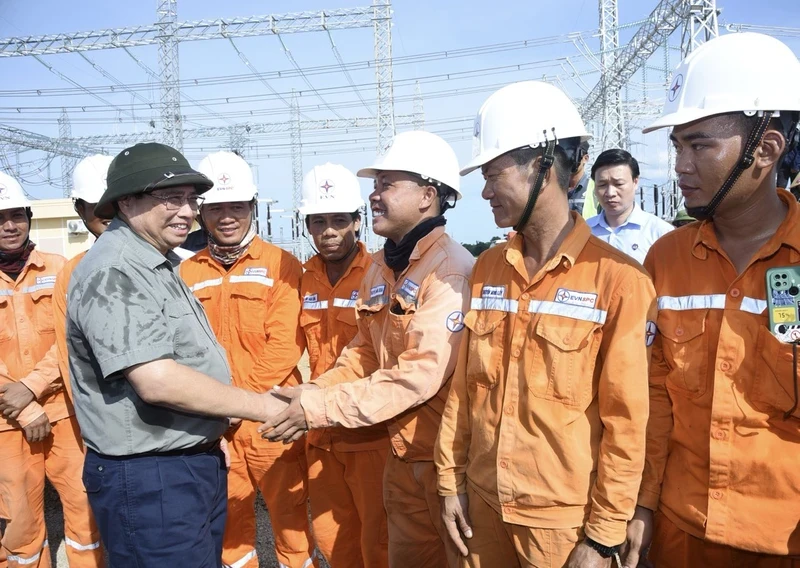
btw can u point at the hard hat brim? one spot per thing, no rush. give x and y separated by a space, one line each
305 211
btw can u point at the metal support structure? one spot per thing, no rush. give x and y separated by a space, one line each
171 119
613 119
700 26
382 27
239 138
167 33
68 163
662 21
419 109
297 168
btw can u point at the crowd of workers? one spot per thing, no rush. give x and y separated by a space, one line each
592 393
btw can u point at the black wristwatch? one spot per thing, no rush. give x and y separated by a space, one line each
602 549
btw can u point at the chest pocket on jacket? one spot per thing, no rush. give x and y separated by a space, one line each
43 310
569 355
6 318
250 303
487 334
685 346
311 322
400 315
187 335
773 387
371 319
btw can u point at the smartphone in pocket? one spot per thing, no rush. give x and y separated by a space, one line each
783 303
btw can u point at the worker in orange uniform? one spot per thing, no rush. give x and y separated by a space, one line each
541 448
410 312
250 292
39 435
88 185
345 466
721 481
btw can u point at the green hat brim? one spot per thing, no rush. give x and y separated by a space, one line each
145 181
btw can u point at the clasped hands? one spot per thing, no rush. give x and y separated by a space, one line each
285 418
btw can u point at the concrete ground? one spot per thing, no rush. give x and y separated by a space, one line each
265 544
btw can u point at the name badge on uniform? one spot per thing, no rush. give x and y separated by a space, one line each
408 290
311 302
255 272
45 281
494 298
377 295
575 298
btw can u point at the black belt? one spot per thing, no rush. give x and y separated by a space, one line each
206 448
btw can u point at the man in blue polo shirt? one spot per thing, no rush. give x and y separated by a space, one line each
622 223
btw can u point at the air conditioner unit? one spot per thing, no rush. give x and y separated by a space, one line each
76 226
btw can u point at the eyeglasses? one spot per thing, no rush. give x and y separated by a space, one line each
175 202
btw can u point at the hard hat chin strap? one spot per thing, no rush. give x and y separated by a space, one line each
548 158
747 159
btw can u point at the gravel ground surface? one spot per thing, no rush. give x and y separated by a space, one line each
265 545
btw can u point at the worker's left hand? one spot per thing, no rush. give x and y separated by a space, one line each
289 425
38 430
584 556
14 398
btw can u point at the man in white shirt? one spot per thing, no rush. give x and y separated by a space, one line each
622 223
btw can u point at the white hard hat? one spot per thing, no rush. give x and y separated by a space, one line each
739 72
520 115
232 177
330 188
421 153
11 194
89 178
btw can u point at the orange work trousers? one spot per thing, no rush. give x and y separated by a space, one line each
497 543
278 470
674 548
22 474
347 514
417 536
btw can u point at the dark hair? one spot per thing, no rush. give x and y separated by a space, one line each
616 157
562 164
447 195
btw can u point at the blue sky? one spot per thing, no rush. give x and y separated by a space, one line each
452 86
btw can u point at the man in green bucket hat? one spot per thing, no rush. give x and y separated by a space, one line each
150 382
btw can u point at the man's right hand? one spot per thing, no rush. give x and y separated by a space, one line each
455 515
37 430
272 405
637 543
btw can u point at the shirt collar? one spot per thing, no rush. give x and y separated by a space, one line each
786 235
146 252
636 217
568 252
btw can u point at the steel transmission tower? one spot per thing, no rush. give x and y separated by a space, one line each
614 135
67 162
297 172
171 119
700 26
167 33
383 72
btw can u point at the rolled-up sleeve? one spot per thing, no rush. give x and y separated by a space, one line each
121 321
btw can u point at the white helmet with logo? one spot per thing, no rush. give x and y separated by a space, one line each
330 188
89 178
739 72
421 153
232 177
520 115
11 194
